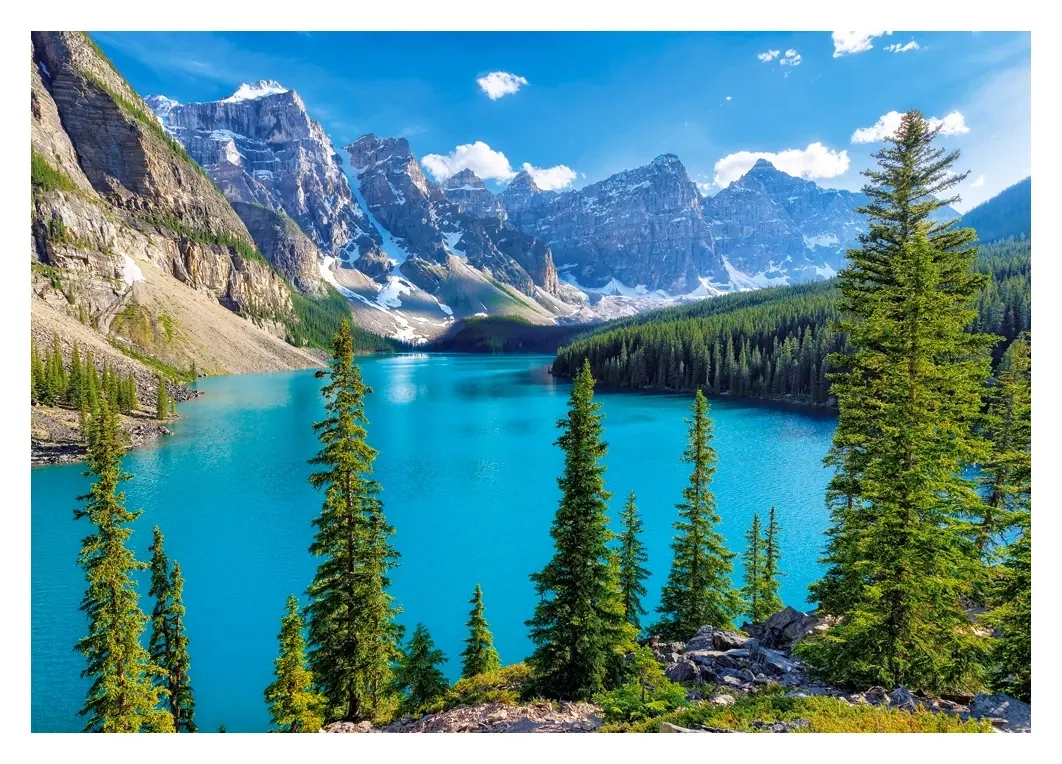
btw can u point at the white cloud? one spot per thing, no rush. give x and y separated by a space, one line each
953 123
845 43
979 182
730 98
489 164
551 178
768 55
816 161
898 48
791 58
478 157
498 84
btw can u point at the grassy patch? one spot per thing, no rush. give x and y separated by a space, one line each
160 366
224 239
822 714
46 177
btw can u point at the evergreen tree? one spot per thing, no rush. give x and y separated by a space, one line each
122 696
91 400
898 561
579 625
418 675
293 704
37 383
698 590
169 640
134 402
753 562
1006 476
57 382
1010 603
75 381
352 634
479 655
1007 483
162 402
772 585
632 559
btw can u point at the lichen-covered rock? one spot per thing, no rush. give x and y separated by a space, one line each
540 717
1007 713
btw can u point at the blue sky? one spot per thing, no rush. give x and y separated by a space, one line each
592 104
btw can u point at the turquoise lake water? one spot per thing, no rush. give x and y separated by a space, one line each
469 470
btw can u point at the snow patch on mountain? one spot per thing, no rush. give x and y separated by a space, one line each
131 272
260 89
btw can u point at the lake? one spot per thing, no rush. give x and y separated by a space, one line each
468 469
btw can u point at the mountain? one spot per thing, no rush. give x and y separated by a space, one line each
261 147
438 251
1008 213
641 230
131 240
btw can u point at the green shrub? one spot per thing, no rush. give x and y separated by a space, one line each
645 694
505 685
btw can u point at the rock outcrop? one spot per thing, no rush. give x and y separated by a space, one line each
541 717
284 244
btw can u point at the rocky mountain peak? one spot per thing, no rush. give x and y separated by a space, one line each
162 106
464 178
523 180
261 147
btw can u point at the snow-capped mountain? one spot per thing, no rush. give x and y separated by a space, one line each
261 147
413 255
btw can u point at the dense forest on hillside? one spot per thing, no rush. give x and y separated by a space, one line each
504 334
771 343
1007 214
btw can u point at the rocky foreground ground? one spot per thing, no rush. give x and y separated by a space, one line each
720 667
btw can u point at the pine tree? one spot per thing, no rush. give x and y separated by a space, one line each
1007 483
37 379
698 590
169 640
632 559
122 696
134 402
753 562
899 562
579 626
293 704
418 675
1010 603
352 634
75 381
772 586
479 655
1006 476
162 403
92 385
56 373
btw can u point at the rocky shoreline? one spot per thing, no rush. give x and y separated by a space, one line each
56 434
719 667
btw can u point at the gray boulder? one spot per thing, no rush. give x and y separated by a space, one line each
783 629
712 638
683 671
1012 714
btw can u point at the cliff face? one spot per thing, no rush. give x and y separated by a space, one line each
284 244
262 147
121 217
